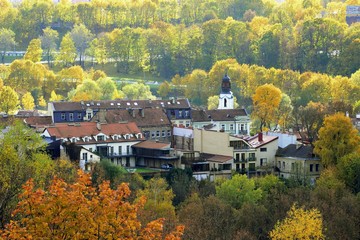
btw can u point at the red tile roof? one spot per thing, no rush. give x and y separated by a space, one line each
90 129
152 145
215 158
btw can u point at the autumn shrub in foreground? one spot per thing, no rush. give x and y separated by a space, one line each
79 211
299 224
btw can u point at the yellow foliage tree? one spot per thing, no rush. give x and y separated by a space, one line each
41 101
80 211
299 224
54 97
337 138
34 51
266 101
27 101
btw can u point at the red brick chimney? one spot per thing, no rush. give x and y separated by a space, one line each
260 136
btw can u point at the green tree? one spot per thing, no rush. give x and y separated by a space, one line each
34 51
49 42
7 42
299 224
27 101
158 202
81 37
9 99
349 168
21 158
137 91
238 190
67 54
88 90
266 101
164 89
107 87
337 138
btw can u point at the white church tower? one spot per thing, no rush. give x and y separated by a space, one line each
226 98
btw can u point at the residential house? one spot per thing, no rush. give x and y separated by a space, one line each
112 141
154 154
234 121
251 155
298 161
178 111
153 122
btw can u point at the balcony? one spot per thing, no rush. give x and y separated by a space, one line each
241 160
251 159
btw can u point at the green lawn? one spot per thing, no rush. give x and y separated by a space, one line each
146 170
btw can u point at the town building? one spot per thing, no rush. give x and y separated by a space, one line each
178 111
153 122
299 162
89 141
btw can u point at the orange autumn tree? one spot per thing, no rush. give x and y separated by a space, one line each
80 211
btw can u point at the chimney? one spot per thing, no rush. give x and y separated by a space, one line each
260 136
98 126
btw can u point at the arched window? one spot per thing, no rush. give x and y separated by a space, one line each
225 102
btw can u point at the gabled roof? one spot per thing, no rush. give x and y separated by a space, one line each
297 151
148 117
121 104
152 145
90 129
38 121
254 142
217 114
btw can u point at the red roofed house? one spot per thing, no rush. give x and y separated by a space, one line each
94 140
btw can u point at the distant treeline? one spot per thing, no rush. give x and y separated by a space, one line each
169 37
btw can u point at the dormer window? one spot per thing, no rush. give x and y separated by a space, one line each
101 138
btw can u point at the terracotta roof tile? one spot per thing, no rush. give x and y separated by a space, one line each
89 129
152 145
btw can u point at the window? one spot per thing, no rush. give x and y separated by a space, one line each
62 116
311 167
263 161
84 155
128 149
89 115
317 167
169 133
263 149
231 127
237 157
279 164
225 102
283 165
223 126
90 149
79 115
152 134
187 124
112 150
163 133
180 113
186 113
71 116
120 150
100 138
158 133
